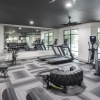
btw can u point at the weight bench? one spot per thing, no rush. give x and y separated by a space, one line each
38 94
4 70
9 94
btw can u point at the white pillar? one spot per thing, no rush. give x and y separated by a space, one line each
1 38
84 34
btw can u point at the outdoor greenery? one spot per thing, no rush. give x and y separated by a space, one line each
99 42
72 36
48 39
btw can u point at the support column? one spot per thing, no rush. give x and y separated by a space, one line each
1 38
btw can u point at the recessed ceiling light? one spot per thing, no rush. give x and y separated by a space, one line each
20 28
37 30
69 4
31 22
10 32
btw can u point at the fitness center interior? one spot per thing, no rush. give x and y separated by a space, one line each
50 50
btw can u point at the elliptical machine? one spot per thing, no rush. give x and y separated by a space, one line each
14 56
43 45
93 47
93 57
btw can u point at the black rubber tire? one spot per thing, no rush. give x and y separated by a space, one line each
61 78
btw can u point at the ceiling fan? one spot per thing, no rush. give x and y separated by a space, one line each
51 1
70 23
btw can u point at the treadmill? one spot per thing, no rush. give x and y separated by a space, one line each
38 44
42 45
63 59
44 58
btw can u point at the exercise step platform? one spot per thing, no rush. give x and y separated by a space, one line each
9 94
38 94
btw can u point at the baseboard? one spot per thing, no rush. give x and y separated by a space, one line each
82 60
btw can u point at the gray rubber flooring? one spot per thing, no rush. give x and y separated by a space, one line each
23 78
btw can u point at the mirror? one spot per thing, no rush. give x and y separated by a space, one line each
20 36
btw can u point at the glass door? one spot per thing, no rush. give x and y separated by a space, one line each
48 40
72 36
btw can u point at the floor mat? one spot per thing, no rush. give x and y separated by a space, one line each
39 70
91 77
33 67
71 90
96 91
39 93
83 97
25 82
20 74
15 68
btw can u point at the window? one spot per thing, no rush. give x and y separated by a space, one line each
99 42
67 36
72 36
48 40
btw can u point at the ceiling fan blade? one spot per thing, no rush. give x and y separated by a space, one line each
70 24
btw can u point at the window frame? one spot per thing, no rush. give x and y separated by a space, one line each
70 34
98 41
48 36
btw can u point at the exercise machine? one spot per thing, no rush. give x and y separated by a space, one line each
97 67
4 70
63 58
37 44
42 45
14 56
55 44
13 45
93 57
93 47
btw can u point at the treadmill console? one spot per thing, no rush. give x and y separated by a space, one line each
93 39
65 41
56 42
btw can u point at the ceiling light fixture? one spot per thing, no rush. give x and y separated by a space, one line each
9 32
31 22
20 28
37 30
69 3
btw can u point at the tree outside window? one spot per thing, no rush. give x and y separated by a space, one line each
48 40
72 36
